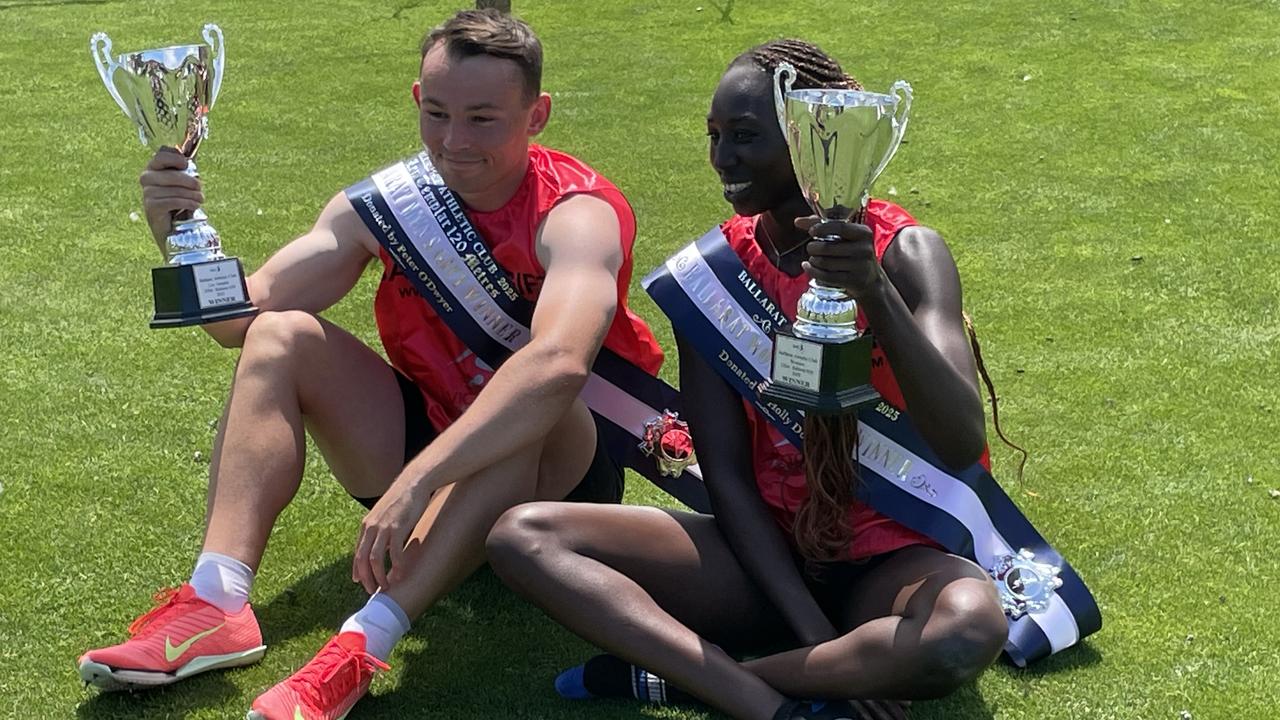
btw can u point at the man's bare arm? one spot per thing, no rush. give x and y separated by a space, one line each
581 250
529 394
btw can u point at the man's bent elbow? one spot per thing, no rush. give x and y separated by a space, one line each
230 334
563 368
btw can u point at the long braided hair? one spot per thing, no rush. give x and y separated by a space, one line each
821 529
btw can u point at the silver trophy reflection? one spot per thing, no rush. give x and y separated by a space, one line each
840 141
167 93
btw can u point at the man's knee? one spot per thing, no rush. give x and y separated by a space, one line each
274 336
969 631
522 536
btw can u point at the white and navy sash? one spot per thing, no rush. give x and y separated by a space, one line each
422 225
715 304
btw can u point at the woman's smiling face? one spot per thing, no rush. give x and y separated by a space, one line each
747 148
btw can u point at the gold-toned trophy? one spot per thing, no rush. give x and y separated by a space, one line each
167 93
840 142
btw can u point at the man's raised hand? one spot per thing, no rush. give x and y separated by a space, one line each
166 189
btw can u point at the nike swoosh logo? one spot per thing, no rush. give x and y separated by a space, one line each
173 652
297 713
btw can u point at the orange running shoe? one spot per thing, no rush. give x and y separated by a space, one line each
325 688
181 636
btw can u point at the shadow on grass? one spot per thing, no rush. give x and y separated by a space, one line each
484 651
1081 656
480 651
173 701
323 599
967 702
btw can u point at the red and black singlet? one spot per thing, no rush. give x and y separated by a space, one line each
420 344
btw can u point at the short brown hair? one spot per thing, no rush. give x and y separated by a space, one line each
494 33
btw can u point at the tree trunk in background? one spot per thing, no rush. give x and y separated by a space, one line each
503 5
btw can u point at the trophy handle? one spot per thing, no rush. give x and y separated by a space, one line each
211 33
100 48
901 91
782 86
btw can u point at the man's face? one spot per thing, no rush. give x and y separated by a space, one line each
476 120
747 148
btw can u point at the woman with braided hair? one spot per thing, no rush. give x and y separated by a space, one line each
866 612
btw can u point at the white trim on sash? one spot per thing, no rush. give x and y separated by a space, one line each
423 231
719 307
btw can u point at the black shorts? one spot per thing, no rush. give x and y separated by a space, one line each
602 482
832 583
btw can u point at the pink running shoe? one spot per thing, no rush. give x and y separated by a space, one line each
181 636
325 688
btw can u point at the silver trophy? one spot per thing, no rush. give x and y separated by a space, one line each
840 141
167 93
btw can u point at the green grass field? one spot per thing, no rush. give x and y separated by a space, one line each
1106 174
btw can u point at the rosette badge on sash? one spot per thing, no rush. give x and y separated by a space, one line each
840 142
668 442
1025 586
167 93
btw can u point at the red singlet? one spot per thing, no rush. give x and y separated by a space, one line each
420 344
778 465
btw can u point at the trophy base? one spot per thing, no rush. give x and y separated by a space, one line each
840 402
823 378
200 293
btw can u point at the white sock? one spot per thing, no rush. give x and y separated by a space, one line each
222 581
382 622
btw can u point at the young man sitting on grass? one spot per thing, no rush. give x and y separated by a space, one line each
435 443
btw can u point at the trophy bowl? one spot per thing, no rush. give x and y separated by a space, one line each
840 142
